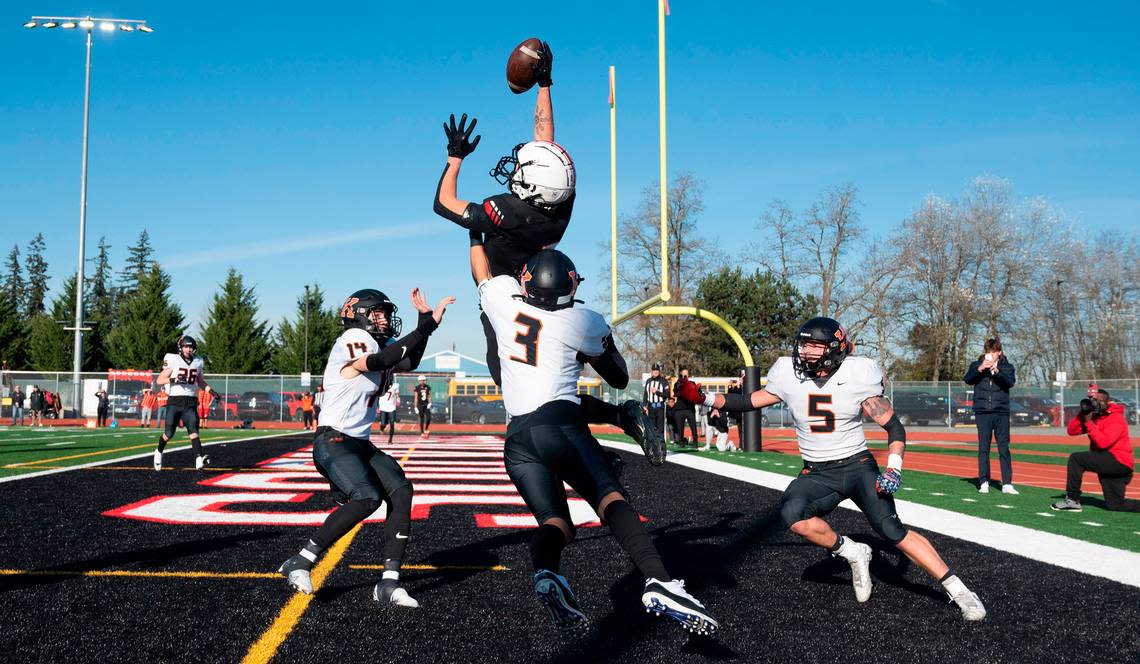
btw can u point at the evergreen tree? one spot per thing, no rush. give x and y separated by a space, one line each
100 302
11 332
139 258
148 325
49 344
233 340
14 276
324 328
37 286
765 309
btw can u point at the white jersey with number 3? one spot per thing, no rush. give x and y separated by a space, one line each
350 403
538 349
185 373
828 417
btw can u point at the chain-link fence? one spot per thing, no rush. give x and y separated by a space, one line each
477 400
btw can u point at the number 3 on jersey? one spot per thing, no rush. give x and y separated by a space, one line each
528 339
815 409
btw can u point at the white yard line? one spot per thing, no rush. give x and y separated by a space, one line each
1095 559
144 455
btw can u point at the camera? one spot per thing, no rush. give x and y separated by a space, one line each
1091 407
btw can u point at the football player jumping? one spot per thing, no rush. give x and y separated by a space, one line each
360 368
543 340
828 392
533 216
182 375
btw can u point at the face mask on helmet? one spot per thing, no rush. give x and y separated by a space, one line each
539 172
371 311
829 337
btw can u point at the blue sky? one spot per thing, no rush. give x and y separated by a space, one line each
304 146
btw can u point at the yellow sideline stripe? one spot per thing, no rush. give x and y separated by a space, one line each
101 452
139 573
266 646
440 568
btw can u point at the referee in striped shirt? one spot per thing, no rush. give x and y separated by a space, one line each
654 398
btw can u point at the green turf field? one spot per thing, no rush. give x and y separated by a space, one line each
1030 509
27 450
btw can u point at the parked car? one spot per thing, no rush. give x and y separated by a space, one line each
922 408
479 410
293 409
406 412
1048 407
262 406
1021 415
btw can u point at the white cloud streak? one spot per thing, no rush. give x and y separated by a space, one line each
324 238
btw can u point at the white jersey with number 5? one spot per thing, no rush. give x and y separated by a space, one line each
828 417
538 349
350 403
185 373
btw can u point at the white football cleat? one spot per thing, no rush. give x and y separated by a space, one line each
157 460
389 593
860 561
201 462
671 599
296 571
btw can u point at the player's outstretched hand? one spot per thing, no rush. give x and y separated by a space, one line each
888 481
543 67
690 392
459 143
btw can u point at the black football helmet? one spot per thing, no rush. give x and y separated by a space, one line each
187 341
549 280
356 309
829 333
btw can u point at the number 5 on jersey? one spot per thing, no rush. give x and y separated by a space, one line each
816 409
528 339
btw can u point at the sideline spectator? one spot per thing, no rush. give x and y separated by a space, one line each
719 422
36 403
205 400
17 407
683 413
102 408
318 401
1110 455
57 405
146 406
307 409
653 398
160 401
992 377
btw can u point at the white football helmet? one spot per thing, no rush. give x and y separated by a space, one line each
539 172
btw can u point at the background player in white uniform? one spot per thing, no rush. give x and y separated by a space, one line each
360 368
386 407
828 393
542 342
182 375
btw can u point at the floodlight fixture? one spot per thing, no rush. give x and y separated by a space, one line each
87 24
30 24
126 27
143 27
49 24
106 26
67 25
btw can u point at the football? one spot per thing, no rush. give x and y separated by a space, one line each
520 75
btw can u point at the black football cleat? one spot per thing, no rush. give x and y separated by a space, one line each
637 425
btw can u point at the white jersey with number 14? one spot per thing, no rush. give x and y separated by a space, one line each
538 349
828 416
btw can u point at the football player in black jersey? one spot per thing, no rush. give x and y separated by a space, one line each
533 216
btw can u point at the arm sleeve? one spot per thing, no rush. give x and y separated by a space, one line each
1076 427
972 374
416 353
610 365
402 348
1006 376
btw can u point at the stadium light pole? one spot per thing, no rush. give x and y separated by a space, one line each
306 328
88 25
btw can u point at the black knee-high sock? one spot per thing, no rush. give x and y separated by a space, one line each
625 523
343 519
398 524
600 412
162 440
196 443
546 547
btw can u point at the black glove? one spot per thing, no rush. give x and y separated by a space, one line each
458 138
543 67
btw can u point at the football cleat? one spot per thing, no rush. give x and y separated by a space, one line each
389 592
296 571
1066 504
671 599
637 425
970 604
860 561
553 591
157 460
201 462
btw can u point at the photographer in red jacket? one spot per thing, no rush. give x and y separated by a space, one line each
1109 456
